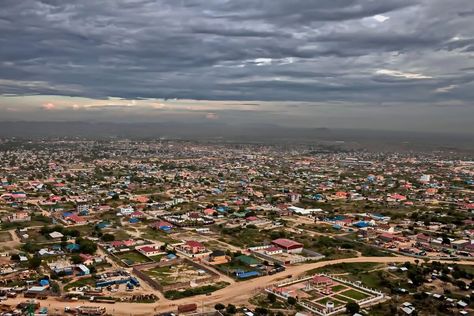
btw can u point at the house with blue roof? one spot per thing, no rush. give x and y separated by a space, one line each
73 247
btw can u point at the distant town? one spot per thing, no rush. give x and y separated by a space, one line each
174 227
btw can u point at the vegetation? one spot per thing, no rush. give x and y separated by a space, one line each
176 294
352 308
86 245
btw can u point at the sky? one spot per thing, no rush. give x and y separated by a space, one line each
393 64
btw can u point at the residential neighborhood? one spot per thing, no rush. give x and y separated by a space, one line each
261 228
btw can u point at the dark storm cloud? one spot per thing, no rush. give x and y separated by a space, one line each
300 50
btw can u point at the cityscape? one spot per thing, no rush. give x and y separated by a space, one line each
185 226
236 157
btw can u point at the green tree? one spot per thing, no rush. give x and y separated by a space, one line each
271 298
291 300
231 309
76 259
261 311
219 306
352 308
86 245
34 263
108 237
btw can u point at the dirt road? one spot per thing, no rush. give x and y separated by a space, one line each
236 293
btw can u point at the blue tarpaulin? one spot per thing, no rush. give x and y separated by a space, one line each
44 282
361 224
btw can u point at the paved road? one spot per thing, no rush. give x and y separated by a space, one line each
237 293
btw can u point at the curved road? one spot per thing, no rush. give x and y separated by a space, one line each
237 293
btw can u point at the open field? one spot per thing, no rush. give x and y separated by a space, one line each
178 273
132 257
355 294
5 237
200 290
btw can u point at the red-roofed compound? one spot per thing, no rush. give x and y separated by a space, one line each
288 245
193 247
321 280
150 250
76 219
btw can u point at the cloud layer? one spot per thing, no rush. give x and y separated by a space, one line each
328 51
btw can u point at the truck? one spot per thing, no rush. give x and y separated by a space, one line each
187 308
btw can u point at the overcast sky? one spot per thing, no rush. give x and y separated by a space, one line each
382 64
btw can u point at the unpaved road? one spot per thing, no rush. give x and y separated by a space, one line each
236 293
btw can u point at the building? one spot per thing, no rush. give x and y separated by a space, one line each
19 216
193 247
288 245
56 235
162 225
272 250
83 270
321 280
218 257
150 250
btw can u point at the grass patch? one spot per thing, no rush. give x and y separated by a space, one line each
132 257
338 288
174 294
353 268
157 235
354 294
230 267
162 274
261 300
119 234
344 299
167 275
157 258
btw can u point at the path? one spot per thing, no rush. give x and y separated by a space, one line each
237 293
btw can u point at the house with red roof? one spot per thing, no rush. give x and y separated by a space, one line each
288 245
396 197
123 243
272 250
192 247
150 250
141 199
163 225
86 259
423 238
346 221
387 237
76 219
341 195
137 214
319 280
209 212
251 219
468 206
